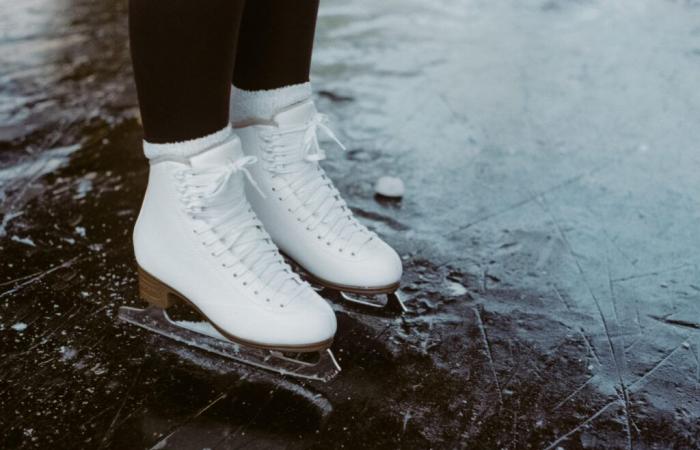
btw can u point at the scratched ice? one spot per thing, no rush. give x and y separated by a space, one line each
549 151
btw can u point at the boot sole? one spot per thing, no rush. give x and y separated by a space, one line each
377 290
160 295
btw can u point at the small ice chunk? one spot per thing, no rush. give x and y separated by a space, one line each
84 187
67 353
390 187
80 231
455 289
19 327
25 240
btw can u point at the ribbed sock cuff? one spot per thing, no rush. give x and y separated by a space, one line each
185 149
264 104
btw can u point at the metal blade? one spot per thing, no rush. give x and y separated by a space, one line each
157 321
370 304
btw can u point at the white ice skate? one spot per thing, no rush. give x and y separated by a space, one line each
198 241
306 216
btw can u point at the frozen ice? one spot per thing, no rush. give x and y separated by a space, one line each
551 151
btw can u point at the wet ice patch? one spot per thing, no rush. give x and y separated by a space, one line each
47 161
31 169
19 327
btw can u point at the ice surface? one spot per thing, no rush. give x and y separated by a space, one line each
551 150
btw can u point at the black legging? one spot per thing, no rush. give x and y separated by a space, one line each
184 53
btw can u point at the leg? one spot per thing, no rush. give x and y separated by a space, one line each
274 115
196 239
183 56
275 44
273 57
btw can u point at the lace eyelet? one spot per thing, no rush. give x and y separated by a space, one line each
353 254
267 300
318 237
255 292
245 283
328 244
281 305
235 275
340 250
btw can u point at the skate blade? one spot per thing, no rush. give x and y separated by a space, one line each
365 303
371 303
208 339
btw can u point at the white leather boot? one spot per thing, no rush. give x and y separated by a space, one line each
304 213
197 239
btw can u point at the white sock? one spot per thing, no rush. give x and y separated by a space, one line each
264 104
188 148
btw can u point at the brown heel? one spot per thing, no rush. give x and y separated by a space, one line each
154 292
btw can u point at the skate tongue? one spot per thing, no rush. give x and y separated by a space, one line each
297 114
218 156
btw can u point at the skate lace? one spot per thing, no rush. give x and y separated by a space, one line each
320 201
232 232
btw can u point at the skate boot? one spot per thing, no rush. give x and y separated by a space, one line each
306 216
198 241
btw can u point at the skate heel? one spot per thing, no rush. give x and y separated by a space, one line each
155 292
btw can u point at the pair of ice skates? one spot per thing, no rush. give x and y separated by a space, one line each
208 238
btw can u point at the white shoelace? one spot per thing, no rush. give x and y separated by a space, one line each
321 202
233 233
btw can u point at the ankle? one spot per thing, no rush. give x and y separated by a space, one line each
186 149
264 104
